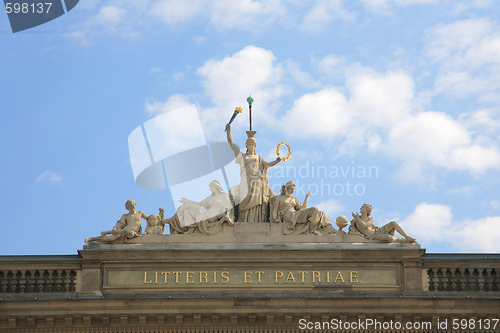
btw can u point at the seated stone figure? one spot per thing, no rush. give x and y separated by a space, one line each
363 225
129 226
205 217
297 218
156 224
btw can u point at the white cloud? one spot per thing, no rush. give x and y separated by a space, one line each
444 40
175 12
429 135
382 99
245 14
128 18
229 81
482 120
475 158
174 102
317 115
469 5
428 222
380 114
89 4
432 222
110 17
139 6
154 70
478 236
435 139
177 76
461 190
221 14
375 112
325 11
376 103
234 77
199 39
332 209
468 53
301 78
50 176
110 20
174 131
384 6
330 65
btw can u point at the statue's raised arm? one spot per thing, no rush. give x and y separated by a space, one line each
234 147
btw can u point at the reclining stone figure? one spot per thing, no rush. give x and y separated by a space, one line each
205 217
363 225
129 226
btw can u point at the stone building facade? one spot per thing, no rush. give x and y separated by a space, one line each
248 282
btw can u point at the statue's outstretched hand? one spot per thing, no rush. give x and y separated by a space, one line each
228 127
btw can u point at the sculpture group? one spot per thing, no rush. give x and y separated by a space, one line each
250 201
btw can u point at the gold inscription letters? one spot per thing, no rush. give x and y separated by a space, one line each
250 277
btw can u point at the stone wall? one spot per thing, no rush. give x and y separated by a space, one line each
121 288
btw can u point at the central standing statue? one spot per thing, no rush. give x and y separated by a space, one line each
254 191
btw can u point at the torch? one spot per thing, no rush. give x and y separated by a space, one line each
236 112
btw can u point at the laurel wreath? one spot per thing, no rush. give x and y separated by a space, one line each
278 151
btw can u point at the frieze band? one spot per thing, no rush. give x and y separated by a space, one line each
155 278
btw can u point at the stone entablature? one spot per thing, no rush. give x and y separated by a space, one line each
99 302
22 276
236 314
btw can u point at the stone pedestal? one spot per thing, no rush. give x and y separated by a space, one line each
251 259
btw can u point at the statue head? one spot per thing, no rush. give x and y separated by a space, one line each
251 143
366 207
153 220
288 187
130 204
216 188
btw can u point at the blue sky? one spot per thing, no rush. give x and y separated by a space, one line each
407 89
